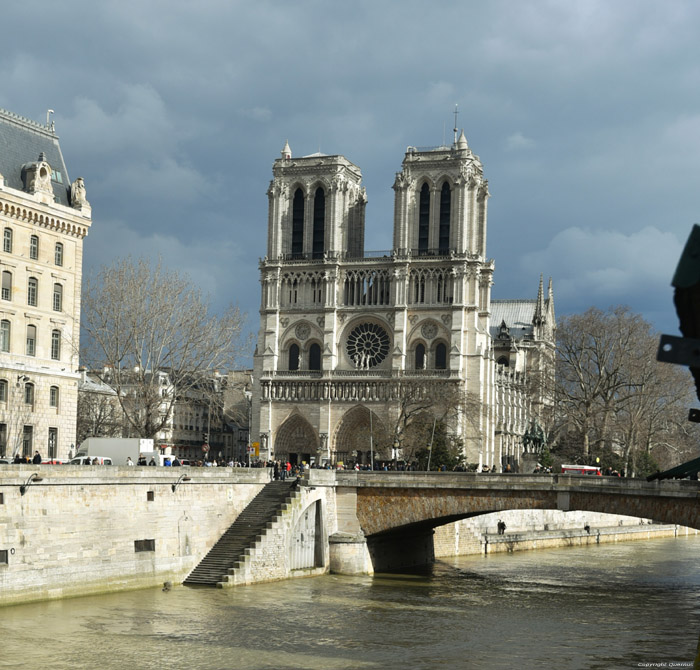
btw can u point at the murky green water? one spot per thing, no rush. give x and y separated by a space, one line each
603 607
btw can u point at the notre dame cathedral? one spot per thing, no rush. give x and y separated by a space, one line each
353 345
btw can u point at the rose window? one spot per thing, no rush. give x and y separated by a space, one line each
367 345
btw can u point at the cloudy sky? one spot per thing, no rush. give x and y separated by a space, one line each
585 114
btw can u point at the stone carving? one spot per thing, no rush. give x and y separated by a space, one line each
413 318
284 321
429 330
77 194
446 319
37 176
302 331
320 321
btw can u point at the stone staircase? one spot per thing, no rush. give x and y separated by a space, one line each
251 525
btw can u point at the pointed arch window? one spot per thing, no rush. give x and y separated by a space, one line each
319 223
314 357
445 210
424 219
420 357
298 222
441 356
294 357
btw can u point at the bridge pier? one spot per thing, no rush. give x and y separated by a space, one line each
349 554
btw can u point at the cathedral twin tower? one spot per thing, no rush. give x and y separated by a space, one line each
349 341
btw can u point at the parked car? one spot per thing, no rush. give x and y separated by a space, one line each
4 461
88 460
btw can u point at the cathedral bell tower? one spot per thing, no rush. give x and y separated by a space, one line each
316 208
440 202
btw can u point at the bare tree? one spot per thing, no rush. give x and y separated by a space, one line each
150 334
419 404
612 394
99 414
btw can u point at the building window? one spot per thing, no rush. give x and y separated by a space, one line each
3 438
4 335
503 360
32 290
7 241
319 223
57 297
445 207
58 254
34 247
31 341
53 396
6 285
3 557
27 440
314 357
56 345
441 357
424 219
3 390
294 357
298 222
420 357
29 394
144 545
53 442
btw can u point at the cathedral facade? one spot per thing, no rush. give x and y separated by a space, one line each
354 346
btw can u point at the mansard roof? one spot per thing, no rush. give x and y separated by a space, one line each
22 141
517 314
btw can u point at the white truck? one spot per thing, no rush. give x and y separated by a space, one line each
117 449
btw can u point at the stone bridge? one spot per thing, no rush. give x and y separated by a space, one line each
387 519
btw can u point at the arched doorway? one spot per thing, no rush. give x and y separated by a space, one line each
296 440
357 436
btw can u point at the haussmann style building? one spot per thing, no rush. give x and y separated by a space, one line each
43 219
346 336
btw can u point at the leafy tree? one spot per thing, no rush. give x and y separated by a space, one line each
441 449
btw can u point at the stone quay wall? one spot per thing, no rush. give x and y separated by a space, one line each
544 529
95 529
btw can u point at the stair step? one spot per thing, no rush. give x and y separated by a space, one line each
229 553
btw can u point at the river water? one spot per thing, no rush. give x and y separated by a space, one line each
601 607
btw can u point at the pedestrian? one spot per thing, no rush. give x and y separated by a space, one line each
37 458
129 461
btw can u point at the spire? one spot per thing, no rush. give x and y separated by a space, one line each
462 141
539 317
286 152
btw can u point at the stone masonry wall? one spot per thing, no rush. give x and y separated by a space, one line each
96 529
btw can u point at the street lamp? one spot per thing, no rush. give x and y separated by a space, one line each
32 479
182 478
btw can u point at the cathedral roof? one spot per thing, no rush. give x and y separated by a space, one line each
517 314
21 142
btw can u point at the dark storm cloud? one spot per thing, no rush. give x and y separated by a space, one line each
584 115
